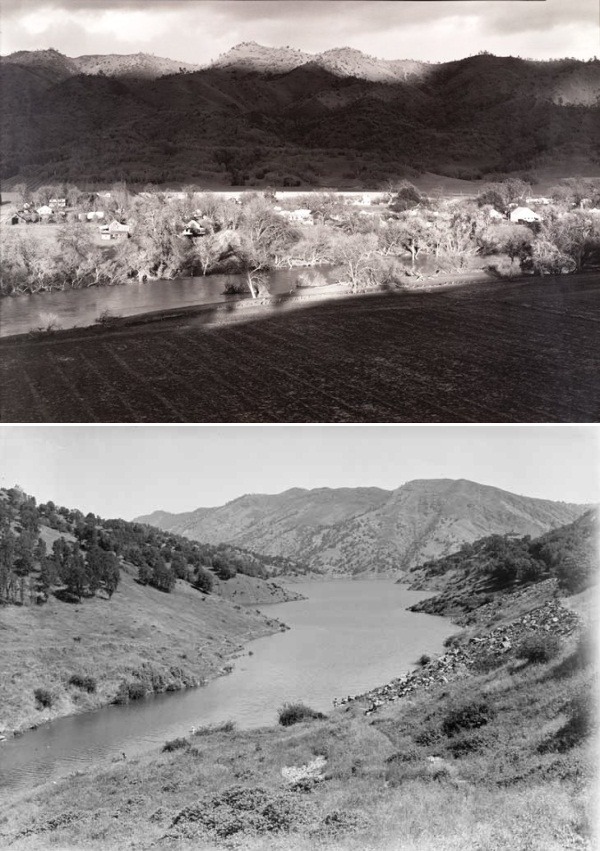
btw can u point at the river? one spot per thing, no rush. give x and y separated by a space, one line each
81 308
345 638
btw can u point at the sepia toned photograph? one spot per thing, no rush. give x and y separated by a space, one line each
299 425
368 638
312 211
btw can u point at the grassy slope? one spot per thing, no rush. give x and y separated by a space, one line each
184 636
391 780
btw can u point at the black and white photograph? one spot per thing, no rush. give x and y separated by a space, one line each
299 425
362 638
312 211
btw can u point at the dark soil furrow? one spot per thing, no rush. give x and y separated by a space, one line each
144 383
115 395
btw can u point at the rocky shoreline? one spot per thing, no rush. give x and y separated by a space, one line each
474 652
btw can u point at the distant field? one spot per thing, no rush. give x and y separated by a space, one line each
48 233
499 352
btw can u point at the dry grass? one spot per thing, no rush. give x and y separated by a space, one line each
383 788
110 639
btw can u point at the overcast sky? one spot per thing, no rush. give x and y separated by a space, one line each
199 30
125 471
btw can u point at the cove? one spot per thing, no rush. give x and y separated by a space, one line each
345 638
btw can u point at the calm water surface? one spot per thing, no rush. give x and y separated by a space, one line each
81 308
347 637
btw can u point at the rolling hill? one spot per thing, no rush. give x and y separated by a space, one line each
351 530
284 114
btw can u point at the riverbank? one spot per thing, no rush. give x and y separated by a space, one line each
125 305
346 359
142 637
503 763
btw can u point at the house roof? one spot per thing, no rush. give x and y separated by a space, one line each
524 213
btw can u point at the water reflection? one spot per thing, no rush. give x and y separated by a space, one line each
81 308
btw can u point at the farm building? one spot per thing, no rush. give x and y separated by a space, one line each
524 214
44 211
115 230
197 227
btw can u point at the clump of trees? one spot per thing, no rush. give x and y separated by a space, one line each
251 238
567 554
89 552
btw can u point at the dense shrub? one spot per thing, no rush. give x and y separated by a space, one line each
466 716
294 713
423 660
242 809
122 695
129 691
86 683
465 744
504 267
175 744
538 648
225 727
136 691
43 697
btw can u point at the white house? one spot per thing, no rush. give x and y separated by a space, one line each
300 216
196 228
495 215
524 214
44 211
115 230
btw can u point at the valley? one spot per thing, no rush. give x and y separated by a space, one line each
486 741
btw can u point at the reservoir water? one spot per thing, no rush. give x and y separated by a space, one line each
345 638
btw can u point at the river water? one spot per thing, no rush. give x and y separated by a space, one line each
81 308
345 638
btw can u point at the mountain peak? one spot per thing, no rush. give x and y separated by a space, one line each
251 56
348 530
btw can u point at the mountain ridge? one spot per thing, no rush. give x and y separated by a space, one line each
351 530
288 118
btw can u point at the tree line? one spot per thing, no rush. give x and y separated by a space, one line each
88 553
369 250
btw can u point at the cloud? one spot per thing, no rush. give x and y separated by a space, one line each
197 30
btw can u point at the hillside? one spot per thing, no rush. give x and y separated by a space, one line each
476 583
490 745
290 118
121 608
144 638
368 529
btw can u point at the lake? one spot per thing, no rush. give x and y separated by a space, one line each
345 638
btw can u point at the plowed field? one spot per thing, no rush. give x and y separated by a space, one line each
500 352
